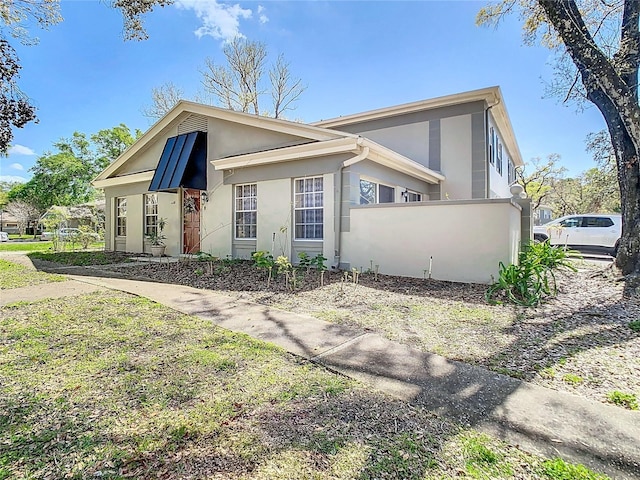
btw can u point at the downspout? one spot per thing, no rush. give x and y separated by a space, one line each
338 222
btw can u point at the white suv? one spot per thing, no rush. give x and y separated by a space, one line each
589 233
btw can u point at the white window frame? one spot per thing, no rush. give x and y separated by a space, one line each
407 193
492 146
121 216
150 214
246 209
304 201
377 191
499 158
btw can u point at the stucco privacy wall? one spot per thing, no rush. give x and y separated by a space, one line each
467 239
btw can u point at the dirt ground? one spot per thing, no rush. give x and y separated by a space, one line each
580 341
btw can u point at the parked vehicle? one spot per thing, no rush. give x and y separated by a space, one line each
4 237
595 233
68 234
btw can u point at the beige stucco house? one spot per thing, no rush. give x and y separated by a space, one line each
412 188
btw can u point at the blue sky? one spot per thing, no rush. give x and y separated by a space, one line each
353 56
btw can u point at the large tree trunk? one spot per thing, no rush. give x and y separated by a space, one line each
611 84
628 259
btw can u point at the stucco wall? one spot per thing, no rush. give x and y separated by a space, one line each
456 157
498 184
274 216
466 239
410 140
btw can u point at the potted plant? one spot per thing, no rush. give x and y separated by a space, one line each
157 239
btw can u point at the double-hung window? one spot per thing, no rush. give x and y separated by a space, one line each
372 192
499 159
308 208
151 214
246 205
121 217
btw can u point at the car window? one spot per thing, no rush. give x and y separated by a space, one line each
571 222
601 222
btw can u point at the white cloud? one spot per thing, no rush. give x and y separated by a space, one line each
12 178
219 20
16 166
261 15
20 150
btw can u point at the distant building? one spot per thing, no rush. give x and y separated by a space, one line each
543 214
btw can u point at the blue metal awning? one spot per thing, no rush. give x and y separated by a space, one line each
183 163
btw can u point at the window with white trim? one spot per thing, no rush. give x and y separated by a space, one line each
308 208
246 205
511 171
492 146
151 214
372 192
410 196
499 159
121 217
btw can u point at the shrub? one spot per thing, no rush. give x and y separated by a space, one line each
532 279
626 400
635 325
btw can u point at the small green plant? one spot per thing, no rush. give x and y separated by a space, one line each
572 379
558 469
548 372
626 400
304 261
532 279
635 325
318 262
156 237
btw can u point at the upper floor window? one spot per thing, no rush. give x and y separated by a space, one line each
121 217
246 205
151 214
492 146
372 192
511 171
499 159
308 208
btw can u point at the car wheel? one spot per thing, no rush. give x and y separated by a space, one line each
614 252
538 238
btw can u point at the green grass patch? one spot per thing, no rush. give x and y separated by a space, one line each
46 246
626 400
572 379
13 275
635 325
81 258
558 469
35 246
114 386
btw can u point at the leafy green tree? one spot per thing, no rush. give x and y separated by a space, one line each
5 188
111 143
64 176
601 40
16 109
538 178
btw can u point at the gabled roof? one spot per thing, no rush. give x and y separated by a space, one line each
184 108
491 95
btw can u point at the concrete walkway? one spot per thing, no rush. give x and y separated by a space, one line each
540 420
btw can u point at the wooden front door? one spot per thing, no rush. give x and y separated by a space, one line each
191 223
